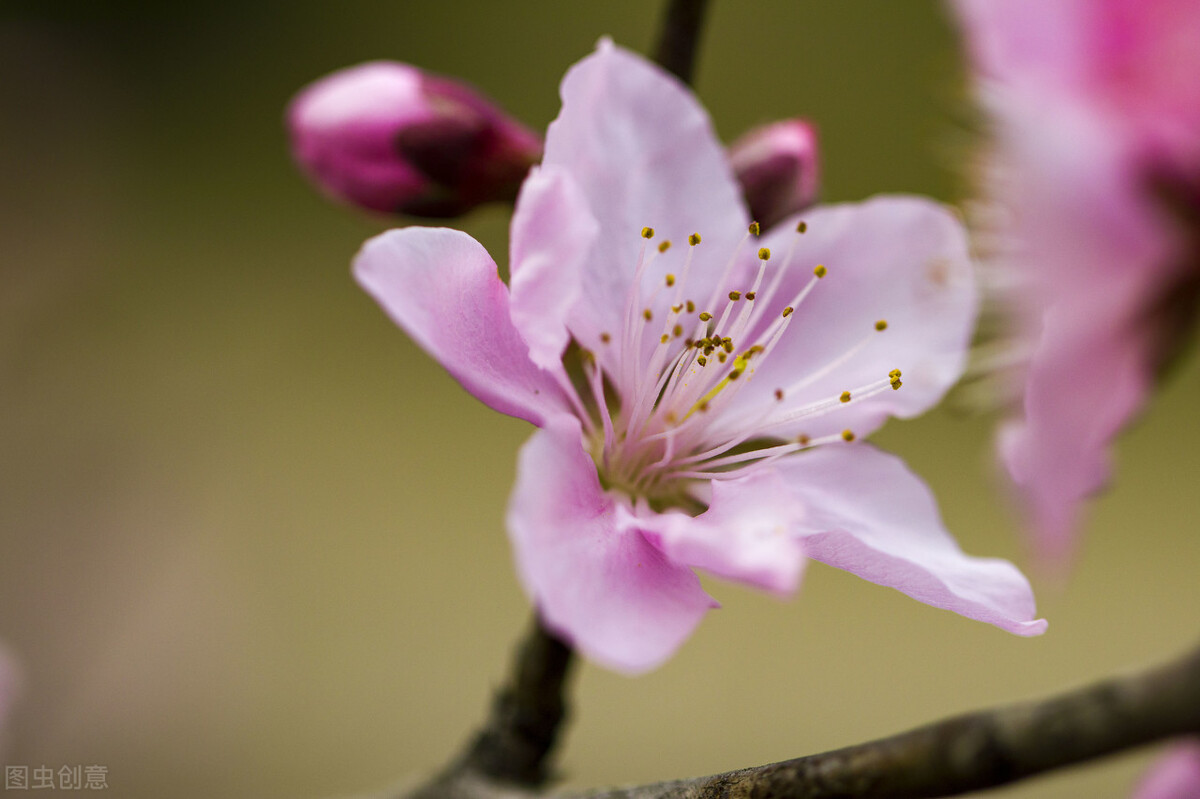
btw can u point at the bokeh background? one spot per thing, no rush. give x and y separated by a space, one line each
251 538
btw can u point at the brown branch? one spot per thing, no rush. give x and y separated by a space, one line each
971 752
678 37
527 712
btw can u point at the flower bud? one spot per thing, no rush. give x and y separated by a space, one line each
390 137
776 165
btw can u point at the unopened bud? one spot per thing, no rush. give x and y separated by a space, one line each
392 138
776 166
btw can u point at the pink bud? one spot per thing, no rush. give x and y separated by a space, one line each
777 167
390 137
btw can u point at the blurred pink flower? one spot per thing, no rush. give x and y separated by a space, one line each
1174 776
1095 110
776 165
390 137
688 417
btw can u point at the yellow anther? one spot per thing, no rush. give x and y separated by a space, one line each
750 295
845 396
802 227
664 338
727 344
647 315
779 394
896 384
670 280
691 306
687 342
803 440
694 239
722 355
881 325
677 308
666 245
755 228
605 338
647 233
847 435
894 374
705 316
735 295
820 271
677 331
788 311
764 254
702 360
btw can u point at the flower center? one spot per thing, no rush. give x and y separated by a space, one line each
660 405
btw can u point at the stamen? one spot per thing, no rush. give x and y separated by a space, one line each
734 296
647 233
845 396
755 229
694 239
820 271
802 227
666 245
671 280
881 325
847 435
764 253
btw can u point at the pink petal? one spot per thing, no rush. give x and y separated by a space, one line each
1174 776
595 579
441 286
894 258
552 232
645 154
747 533
867 514
1096 259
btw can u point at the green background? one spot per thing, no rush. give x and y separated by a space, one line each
251 538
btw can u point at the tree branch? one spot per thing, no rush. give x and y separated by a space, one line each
515 743
974 751
678 37
967 753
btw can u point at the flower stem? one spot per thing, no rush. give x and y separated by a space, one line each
678 37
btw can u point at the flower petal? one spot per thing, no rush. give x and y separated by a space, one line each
552 232
746 535
869 515
1176 775
595 579
898 259
441 286
644 152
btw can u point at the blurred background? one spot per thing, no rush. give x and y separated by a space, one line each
251 538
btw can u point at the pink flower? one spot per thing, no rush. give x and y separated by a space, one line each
392 138
1175 776
1095 106
776 166
694 391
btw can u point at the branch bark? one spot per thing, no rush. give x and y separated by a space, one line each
966 753
679 36
515 743
974 751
